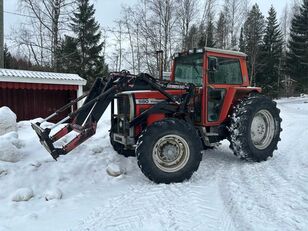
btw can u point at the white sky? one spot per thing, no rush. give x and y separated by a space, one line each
109 10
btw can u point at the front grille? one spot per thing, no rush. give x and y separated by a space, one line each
120 120
123 105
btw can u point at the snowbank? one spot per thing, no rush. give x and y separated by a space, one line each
9 147
7 121
8 152
53 194
114 170
9 142
22 194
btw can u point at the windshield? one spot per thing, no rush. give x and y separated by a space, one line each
188 69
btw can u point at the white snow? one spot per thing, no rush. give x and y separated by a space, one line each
224 194
22 194
114 170
53 194
9 145
7 120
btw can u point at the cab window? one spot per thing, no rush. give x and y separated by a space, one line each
188 69
227 71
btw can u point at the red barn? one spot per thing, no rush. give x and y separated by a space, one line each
32 94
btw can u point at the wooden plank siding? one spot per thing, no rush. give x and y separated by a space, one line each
33 103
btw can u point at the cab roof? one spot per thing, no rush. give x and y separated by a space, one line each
210 49
229 52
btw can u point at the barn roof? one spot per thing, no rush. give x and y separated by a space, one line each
21 76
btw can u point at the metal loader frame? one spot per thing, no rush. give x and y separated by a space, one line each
84 120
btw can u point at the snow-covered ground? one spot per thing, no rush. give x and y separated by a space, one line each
77 193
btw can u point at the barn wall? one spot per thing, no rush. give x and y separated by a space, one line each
30 104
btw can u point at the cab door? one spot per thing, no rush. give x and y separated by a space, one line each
223 72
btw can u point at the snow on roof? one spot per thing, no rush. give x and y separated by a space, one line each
22 76
230 52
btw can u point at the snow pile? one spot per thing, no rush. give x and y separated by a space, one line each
7 120
54 194
114 170
9 142
22 194
9 147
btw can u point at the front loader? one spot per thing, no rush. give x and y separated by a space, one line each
167 124
84 120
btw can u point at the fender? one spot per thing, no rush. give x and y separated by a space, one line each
164 107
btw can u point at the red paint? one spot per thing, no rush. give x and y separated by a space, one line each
155 117
37 86
233 92
33 103
156 94
61 133
79 139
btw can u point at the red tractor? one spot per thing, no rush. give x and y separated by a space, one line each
167 124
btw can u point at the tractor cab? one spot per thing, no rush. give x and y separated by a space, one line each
219 76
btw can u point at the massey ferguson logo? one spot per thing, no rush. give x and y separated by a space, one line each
148 101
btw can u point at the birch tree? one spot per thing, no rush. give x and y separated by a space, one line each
48 20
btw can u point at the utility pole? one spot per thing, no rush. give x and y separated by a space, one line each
1 35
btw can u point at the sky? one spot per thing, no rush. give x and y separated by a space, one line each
107 11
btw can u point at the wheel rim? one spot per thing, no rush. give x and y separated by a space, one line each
262 129
171 153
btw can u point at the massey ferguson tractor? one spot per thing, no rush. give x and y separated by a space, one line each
167 124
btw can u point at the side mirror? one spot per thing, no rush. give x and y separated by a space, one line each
213 64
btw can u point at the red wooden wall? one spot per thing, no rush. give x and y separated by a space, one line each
33 103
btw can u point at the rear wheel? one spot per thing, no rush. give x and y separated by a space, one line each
169 151
255 128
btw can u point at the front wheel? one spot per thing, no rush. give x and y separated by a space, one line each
169 151
120 148
255 128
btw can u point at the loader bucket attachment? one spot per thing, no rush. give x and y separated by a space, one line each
45 140
83 120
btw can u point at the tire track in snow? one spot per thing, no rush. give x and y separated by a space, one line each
260 187
164 207
258 200
291 157
215 167
238 186
229 188
289 202
215 164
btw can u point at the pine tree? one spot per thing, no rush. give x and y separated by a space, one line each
253 34
206 36
297 57
221 32
70 56
242 45
270 57
88 37
202 36
7 57
192 38
210 34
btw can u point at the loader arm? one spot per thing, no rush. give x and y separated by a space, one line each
84 120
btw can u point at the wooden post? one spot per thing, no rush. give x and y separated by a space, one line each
1 36
160 63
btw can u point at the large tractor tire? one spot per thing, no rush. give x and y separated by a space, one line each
255 128
169 151
119 148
